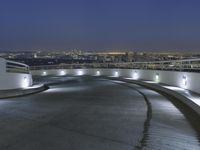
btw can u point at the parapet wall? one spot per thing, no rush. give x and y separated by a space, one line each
187 80
12 80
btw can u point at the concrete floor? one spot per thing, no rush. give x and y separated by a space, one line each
86 113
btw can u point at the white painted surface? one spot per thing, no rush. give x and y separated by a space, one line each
173 78
13 80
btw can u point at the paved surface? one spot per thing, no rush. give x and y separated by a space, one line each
84 113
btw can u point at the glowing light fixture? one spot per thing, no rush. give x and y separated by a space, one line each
157 76
44 73
25 82
62 73
80 73
135 75
184 80
98 73
116 74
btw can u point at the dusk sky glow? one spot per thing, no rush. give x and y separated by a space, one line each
99 24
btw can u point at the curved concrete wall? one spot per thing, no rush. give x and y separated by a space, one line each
187 80
13 80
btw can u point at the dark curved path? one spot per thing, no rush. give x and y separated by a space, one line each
87 113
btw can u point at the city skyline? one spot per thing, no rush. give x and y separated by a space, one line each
157 25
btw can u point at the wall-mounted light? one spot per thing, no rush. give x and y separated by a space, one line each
80 73
135 75
25 82
62 73
116 74
98 73
157 76
44 73
184 80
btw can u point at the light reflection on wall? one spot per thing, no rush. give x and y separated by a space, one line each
25 82
184 81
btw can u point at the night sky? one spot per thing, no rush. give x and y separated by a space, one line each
99 24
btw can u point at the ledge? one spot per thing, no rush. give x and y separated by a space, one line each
22 92
157 87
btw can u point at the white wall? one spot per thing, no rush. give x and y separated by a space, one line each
13 80
185 80
2 66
